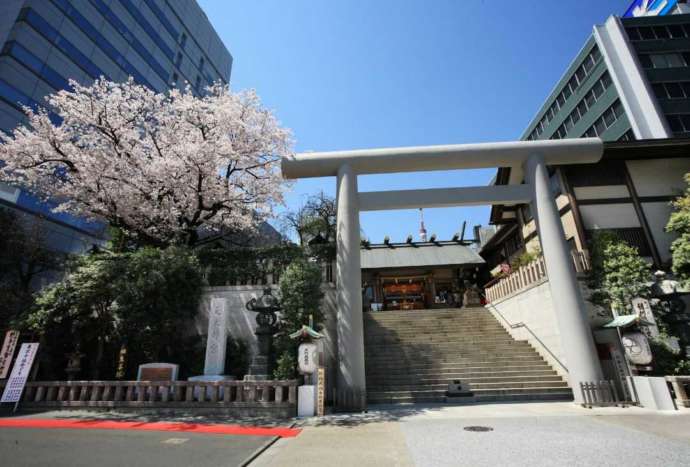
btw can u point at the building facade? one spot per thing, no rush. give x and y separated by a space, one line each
630 86
44 43
418 275
631 80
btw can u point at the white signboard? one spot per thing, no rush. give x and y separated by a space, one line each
308 358
637 348
20 372
643 309
320 392
8 346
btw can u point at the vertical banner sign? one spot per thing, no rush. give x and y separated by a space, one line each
8 346
320 392
20 372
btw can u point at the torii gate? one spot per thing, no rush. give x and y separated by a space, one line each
523 157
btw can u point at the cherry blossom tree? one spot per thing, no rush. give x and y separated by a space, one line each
160 166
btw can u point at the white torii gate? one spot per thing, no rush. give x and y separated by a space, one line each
523 157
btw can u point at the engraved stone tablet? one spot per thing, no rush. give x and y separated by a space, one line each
217 337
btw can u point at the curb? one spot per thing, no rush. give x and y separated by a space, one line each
261 449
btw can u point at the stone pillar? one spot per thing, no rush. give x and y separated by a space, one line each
571 313
216 341
351 380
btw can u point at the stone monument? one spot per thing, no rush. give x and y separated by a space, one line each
214 364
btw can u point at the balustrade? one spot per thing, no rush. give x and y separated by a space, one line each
528 275
187 394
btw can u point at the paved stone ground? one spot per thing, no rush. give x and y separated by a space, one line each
536 434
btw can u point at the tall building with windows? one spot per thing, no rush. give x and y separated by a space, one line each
43 43
630 86
631 80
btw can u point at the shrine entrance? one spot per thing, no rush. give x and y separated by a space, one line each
527 160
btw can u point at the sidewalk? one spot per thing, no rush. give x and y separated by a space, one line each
531 434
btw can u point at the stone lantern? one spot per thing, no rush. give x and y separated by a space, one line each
266 306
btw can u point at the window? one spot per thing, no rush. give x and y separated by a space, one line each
178 59
618 109
561 100
183 40
201 64
679 123
568 124
645 61
606 120
567 92
198 82
596 55
667 60
606 80
627 136
174 79
647 33
580 74
661 32
674 90
634 34
676 31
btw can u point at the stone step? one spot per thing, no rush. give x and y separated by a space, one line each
387 379
460 337
477 384
446 357
455 368
447 346
466 372
415 332
427 314
401 397
451 365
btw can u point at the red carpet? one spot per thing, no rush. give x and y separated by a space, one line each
216 429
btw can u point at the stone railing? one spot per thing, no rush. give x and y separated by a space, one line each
681 387
255 397
528 275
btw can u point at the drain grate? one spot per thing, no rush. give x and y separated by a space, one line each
478 428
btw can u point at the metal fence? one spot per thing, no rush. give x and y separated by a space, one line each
605 394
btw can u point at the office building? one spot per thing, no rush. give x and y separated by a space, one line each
44 43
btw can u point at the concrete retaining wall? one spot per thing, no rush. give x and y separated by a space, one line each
531 315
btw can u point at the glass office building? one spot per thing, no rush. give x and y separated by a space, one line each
631 80
43 43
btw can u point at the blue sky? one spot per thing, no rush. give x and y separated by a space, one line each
352 74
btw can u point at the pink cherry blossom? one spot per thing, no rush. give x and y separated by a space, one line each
159 165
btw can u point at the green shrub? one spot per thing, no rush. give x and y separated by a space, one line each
286 366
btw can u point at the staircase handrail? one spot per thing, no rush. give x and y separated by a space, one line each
524 325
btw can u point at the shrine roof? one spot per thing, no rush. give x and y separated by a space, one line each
403 255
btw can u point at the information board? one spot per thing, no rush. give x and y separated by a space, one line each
8 346
20 372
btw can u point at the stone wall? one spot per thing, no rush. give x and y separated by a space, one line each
242 323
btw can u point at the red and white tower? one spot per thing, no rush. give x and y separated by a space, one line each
422 229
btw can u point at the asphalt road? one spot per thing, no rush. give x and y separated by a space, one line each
105 448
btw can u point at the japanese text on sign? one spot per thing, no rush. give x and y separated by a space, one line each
20 373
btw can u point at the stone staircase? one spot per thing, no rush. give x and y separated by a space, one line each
411 356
